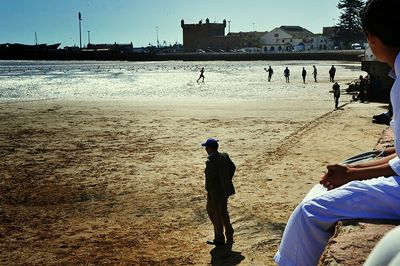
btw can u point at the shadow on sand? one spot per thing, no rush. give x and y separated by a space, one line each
223 255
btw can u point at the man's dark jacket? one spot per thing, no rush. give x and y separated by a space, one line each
219 172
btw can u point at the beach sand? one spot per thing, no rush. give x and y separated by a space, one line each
123 182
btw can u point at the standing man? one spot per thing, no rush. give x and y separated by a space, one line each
270 72
332 73
201 75
315 73
219 172
286 73
336 94
304 74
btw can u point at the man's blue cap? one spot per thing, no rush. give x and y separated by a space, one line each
210 143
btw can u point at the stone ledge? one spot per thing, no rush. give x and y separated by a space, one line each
353 241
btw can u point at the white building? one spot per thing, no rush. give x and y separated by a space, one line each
294 38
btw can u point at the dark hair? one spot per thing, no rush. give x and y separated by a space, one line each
381 18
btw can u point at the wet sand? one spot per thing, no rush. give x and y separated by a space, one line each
123 183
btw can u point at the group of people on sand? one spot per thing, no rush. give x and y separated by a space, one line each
286 73
349 190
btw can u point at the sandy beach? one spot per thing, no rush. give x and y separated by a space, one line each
114 182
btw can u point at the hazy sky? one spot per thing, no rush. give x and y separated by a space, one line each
125 21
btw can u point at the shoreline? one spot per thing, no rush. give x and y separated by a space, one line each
96 182
342 55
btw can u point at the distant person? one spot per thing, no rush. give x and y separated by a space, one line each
270 71
201 75
219 173
336 94
315 72
363 93
332 73
304 74
286 73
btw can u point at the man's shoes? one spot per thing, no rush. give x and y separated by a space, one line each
379 116
381 119
215 242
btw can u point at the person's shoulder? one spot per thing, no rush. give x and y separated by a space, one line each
210 161
225 156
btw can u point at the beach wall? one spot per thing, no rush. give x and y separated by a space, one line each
380 82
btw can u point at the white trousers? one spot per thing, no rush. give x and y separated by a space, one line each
311 224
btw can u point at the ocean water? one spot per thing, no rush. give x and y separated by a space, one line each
172 80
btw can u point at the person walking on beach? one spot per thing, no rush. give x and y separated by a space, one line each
332 73
362 94
201 75
336 94
315 73
369 190
286 73
270 71
219 173
304 74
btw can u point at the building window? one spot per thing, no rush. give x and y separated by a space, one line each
276 35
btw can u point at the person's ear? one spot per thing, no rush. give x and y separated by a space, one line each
373 40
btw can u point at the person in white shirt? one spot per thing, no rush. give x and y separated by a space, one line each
369 190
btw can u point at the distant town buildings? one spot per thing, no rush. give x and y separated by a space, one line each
294 38
211 37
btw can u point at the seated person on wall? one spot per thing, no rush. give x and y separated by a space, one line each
369 190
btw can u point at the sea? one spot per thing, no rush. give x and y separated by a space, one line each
170 80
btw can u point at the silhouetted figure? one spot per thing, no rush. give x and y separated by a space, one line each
304 74
201 75
363 93
219 172
315 72
270 71
336 94
286 73
332 73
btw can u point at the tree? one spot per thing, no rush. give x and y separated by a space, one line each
349 28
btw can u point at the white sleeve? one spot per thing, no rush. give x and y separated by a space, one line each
395 165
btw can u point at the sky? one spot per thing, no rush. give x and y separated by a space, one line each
125 21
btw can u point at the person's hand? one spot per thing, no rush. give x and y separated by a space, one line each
337 175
